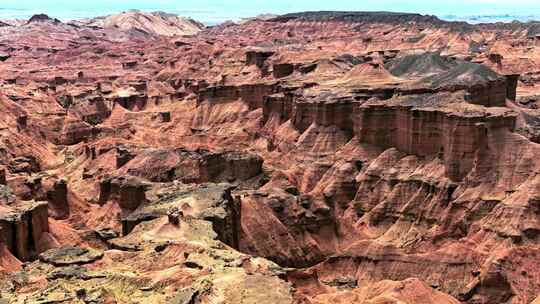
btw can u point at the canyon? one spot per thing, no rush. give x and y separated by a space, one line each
311 158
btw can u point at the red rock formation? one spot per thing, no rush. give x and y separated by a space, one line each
123 156
452 137
128 192
156 23
58 199
252 94
23 229
282 70
75 131
258 57
194 167
511 86
376 167
406 291
3 178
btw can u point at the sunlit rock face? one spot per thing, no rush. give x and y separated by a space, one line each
322 157
155 23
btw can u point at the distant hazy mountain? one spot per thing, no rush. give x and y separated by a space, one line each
155 23
491 18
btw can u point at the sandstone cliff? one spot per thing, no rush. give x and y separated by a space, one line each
324 157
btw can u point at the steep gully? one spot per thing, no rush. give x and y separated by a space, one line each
303 229
456 144
349 189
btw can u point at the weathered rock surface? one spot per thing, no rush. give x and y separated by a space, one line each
194 166
64 256
23 229
129 192
210 202
380 157
156 23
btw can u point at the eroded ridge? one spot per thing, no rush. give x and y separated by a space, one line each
326 157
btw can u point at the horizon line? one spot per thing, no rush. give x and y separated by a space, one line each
91 14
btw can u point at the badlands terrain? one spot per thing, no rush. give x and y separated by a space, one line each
309 158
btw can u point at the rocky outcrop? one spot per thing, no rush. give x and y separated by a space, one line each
511 86
195 166
225 217
407 125
42 18
23 228
252 94
453 137
231 167
76 131
381 169
301 228
258 57
131 221
133 101
3 176
324 122
210 202
24 164
282 70
58 199
435 73
322 112
93 109
123 156
127 191
492 94
154 23
70 255
278 108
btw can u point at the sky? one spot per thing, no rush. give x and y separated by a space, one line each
215 10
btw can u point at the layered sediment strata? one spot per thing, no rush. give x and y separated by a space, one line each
23 227
57 196
194 166
493 94
412 124
453 136
323 112
210 202
379 167
258 57
278 108
434 73
128 191
251 94
302 229
75 131
150 23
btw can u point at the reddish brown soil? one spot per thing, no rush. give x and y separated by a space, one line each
311 158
